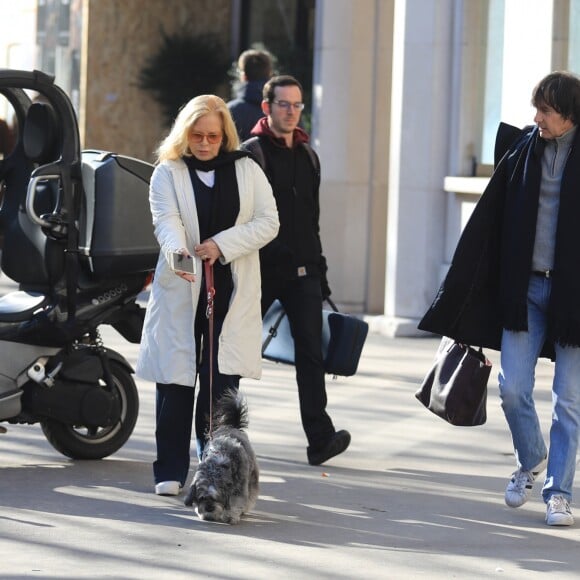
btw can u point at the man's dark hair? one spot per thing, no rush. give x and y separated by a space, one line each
561 91
279 81
257 65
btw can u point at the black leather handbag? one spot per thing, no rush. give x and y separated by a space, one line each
455 388
343 338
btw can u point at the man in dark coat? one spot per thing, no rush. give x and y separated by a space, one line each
514 285
254 69
293 266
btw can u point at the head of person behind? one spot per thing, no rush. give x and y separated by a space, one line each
254 69
202 129
255 65
556 99
282 104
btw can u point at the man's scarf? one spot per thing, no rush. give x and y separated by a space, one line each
518 236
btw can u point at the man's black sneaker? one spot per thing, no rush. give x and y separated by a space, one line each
335 445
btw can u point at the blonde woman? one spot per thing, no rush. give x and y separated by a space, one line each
210 202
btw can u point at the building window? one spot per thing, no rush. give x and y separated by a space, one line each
574 43
519 54
59 21
64 22
286 29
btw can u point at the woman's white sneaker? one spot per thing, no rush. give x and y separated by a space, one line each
168 488
558 512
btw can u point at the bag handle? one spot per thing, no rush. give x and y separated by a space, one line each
273 330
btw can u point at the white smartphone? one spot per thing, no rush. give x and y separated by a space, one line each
181 263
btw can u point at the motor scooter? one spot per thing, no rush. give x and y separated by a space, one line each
78 240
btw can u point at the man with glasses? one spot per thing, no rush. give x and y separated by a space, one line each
293 266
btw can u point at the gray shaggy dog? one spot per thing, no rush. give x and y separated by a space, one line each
225 484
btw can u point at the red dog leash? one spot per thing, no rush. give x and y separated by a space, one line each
208 270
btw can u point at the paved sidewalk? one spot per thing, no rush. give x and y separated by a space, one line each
411 498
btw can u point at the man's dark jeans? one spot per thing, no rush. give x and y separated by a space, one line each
302 301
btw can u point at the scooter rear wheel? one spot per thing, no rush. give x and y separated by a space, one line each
81 442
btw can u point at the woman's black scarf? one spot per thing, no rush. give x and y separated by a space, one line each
226 196
223 158
518 236
225 207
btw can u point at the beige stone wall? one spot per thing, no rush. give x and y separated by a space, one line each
118 36
351 132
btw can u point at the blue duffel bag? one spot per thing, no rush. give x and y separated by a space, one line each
343 338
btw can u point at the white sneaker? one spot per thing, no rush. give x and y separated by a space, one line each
519 488
168 488
558 512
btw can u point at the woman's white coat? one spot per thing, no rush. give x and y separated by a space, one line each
167 352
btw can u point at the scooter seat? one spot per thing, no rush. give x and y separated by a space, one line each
20 306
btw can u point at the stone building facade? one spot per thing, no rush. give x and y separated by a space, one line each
406 96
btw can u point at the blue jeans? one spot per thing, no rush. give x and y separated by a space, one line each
519 355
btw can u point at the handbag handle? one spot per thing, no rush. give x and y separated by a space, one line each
273 330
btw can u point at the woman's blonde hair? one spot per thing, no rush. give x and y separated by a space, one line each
175 144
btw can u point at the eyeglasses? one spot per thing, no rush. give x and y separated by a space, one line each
212 138
288 105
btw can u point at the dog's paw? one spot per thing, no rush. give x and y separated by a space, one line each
232 517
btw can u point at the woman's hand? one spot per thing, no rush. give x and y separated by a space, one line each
208 250
185 275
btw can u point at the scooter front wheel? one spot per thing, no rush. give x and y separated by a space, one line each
81 442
